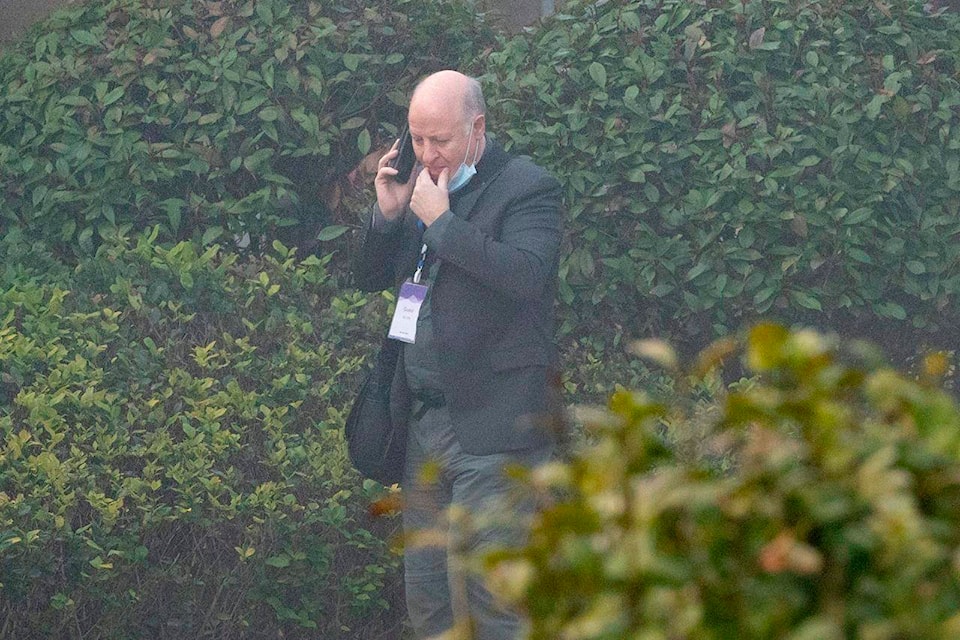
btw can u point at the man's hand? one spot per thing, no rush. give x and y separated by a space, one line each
430 200
392 196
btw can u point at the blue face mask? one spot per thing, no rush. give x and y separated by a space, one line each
465 172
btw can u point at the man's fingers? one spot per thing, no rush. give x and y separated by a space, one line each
423 175
389 155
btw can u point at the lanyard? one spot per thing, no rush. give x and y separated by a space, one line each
420 263
423 256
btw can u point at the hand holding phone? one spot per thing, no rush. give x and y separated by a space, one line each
393 184
405 159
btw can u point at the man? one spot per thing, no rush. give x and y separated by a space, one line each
472 237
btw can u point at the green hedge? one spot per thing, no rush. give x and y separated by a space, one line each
723 161
171 449
840 518
208 120
726 161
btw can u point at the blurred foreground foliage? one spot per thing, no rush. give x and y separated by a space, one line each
836 517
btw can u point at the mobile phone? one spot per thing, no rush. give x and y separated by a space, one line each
404 161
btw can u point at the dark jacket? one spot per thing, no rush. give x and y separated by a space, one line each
492 302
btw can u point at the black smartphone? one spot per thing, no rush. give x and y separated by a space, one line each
404 161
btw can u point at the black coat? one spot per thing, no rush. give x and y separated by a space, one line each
492 302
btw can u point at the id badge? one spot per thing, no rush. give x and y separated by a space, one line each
403 327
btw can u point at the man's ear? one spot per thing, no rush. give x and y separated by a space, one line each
480 125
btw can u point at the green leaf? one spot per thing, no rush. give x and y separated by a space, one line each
916 267
173 207
250 104
860 215
363 141
278 561
85 37
331 232
805 300
113 96
351 61
872 109
599 74
700 268
209 118
85 240
254 160
891 310
39 194
75 101
211 234
270 114
353 123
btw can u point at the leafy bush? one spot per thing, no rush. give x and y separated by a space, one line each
839 519
730 160
207 119
170 446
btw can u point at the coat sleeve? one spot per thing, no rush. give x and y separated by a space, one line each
375 265
521 262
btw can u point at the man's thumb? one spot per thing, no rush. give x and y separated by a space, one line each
443 179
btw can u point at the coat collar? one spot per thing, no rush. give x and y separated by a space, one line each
489 166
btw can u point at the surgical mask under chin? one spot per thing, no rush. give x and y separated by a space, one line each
465 172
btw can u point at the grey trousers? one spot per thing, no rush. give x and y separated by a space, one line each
488 510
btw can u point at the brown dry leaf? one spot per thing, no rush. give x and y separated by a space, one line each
799 225
387 506
332 197
936 365
219 26
714 355
883 8
729 132
756 38
775 555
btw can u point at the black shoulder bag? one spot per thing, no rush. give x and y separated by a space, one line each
377 447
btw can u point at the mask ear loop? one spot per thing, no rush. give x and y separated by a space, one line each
476 151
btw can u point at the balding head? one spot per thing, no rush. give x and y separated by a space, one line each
450 87
447 121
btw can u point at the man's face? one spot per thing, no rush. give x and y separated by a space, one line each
442 135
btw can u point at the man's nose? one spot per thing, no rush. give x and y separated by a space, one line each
429 154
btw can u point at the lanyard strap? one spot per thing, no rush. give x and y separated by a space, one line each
420 262
423 256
